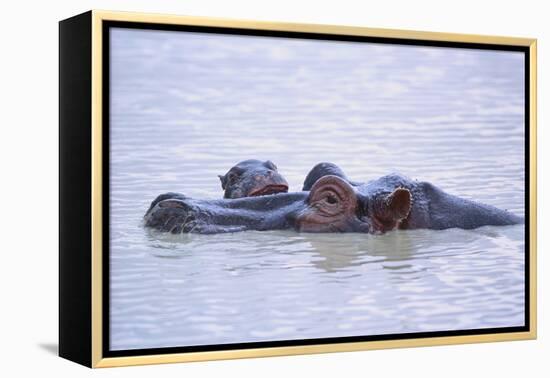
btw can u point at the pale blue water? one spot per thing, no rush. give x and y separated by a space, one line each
186 107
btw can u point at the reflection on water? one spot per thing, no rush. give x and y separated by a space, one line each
186 108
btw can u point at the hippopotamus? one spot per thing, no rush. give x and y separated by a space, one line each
251 178
431 207
332 204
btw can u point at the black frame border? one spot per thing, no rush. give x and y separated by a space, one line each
75 195
107 25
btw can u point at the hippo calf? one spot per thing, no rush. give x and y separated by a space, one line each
251 178
332 204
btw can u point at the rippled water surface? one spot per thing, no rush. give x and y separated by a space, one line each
187 107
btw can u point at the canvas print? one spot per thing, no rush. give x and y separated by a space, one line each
268 189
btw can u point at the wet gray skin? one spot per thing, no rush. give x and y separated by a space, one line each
251 178
332 205
325 169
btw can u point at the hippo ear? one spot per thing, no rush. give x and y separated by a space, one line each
271 165
397 205
222 179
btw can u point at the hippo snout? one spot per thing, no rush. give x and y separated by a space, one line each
251 178
173 214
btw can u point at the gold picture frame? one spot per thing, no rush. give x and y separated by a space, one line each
82 255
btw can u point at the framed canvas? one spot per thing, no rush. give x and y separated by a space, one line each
235 189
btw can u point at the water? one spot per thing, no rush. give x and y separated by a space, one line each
187 107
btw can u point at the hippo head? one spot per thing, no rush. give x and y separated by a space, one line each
333 205
252 178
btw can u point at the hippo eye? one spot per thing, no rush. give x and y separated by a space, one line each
231 178
331 199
